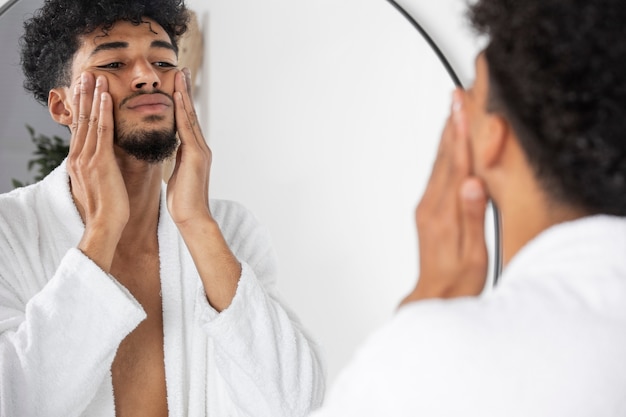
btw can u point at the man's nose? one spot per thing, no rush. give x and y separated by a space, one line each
145 76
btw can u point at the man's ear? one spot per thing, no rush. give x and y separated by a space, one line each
59 106
498 131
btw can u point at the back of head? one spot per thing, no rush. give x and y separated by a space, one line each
51 36
558 75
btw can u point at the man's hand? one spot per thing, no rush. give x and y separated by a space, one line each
188 187
450 219
188 203
97 184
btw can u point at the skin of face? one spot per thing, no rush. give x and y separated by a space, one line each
140 64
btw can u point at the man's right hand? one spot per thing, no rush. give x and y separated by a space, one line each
97 184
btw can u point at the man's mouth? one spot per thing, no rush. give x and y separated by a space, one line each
149 103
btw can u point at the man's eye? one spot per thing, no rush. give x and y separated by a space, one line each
112 65
162 64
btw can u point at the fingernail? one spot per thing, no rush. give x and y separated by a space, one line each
457 102
98 81
457 108
83 77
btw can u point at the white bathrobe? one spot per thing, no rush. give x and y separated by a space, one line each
62 319
549 341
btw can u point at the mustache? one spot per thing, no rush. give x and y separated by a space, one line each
140 93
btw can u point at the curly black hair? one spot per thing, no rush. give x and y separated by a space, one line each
557 73
51 36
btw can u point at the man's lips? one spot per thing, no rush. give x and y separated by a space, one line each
149 102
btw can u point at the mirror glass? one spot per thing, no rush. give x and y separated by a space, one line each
324 118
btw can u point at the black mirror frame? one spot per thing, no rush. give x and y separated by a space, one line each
497 269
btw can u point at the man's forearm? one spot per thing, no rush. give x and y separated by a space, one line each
218 267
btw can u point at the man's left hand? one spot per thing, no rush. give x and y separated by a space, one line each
188 203
188 187
451 219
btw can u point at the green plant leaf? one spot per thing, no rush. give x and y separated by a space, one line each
49 153
16 183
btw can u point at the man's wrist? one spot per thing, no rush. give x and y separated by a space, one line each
99 243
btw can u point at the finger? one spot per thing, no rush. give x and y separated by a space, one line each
187 74
84 108
473 198
91 138
438 171
75 144
439 180
190 148
103 108
183 124
458 112
446 153
458 162
105 123
453 123
183 85
462 160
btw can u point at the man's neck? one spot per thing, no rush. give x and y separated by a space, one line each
143 185
526 207
526 217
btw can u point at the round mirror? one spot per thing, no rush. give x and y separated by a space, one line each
324 118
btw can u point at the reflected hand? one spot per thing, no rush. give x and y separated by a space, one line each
188 187
450 219
97 184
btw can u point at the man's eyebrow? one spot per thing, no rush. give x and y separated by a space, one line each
162 44
108 46
122 45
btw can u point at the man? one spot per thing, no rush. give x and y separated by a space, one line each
541 132
120 295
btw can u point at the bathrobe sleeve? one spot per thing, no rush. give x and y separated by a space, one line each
271 366
57 340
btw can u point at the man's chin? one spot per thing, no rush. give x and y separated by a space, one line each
153 147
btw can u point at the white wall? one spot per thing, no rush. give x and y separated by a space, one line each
324 117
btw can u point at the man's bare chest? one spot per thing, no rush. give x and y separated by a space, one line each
138 369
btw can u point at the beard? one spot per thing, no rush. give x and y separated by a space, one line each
148 145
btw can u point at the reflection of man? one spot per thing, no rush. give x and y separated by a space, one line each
541 132
119 295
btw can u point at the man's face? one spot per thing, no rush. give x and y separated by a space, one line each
139 63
